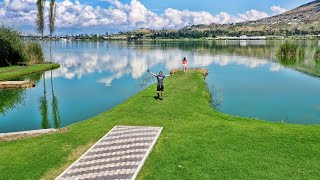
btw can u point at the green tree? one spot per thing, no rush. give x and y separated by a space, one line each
52 16
40 16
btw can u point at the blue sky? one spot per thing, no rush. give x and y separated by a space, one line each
232 6
212 6
85 16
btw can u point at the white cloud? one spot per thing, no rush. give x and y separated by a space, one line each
252 15
277 10
20 5
2 12
74 14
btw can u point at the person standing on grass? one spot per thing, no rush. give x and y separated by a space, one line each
160 87
184 64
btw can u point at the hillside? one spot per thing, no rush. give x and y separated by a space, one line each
303 20
305 14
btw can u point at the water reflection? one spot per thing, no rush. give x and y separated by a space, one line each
44 107
10 99
134 58
15 98
245 79
125 61
216 96
44 112
55 107
145 81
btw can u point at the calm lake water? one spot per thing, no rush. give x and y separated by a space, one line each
245 79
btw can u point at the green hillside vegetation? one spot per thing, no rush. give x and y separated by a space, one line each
14 50
234 30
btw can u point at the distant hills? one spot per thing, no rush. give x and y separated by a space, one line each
301 21
305 14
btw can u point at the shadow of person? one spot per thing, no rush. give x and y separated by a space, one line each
156 97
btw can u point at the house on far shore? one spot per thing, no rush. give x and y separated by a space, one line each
243 37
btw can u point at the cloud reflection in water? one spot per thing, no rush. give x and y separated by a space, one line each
134 61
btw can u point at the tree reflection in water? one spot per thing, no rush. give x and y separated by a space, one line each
55 108
10 99
44 106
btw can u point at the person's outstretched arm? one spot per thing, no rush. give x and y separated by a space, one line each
167 76
153 74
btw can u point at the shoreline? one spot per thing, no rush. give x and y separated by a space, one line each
23 134
266 38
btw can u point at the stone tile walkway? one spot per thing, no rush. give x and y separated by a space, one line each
120 154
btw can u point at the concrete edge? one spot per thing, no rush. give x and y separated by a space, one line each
31 132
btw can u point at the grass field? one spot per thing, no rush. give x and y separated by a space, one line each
197 142
11 72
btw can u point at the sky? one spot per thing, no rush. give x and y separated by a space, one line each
101 16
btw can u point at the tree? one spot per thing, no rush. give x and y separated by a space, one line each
40 16
52 16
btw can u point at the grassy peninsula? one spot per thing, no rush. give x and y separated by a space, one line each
11 72
197 142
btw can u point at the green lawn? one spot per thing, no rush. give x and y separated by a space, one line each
11 72
9 68
197 142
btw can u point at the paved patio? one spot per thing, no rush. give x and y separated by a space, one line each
120 154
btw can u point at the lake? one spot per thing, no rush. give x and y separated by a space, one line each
245 79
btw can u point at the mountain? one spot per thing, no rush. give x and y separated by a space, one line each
303 20
305 14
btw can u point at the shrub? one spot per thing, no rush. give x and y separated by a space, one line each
290 53
34 53
317 56
11 47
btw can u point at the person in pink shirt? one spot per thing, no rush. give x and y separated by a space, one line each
184 64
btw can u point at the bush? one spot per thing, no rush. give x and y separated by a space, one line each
290 53
11 47
34 53
317 56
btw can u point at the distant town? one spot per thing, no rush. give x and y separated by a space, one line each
143 35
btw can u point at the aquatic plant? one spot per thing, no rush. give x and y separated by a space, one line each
290 53
317 56
34 53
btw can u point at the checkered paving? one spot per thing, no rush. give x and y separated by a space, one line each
120 154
